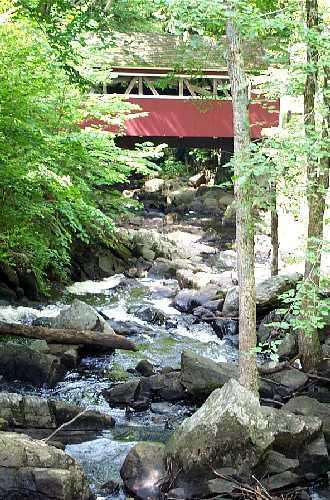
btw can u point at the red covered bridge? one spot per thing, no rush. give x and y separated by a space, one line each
190 108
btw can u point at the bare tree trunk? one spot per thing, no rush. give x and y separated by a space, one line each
317 181
274 233
244 215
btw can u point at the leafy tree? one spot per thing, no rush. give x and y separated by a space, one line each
50 168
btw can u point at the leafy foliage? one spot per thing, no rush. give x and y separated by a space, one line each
50 168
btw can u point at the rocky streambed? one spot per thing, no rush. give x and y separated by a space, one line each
177 301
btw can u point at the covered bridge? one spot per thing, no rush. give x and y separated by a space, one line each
182 86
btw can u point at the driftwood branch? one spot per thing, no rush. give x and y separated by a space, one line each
68 336
65 424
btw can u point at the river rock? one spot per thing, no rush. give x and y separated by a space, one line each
224 327
267 293
69 355
265 332
154 185
160 244
7 293
162 386
163 268
276 463
122 394
144 470
229 430
149 313
81 316
187 300
28 281
145 368
34 412
197 179
290 380
41 470
129 327
224 261
280 481
314 459
291 432
20 362
200 375
304 405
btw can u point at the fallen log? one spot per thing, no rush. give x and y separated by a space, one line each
68 336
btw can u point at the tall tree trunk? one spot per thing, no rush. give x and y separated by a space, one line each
244 214
317 181
274 232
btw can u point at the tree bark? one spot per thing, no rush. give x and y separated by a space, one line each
317 181
244 214
69 336
274 233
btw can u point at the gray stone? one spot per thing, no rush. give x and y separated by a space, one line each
314 459
39 346
68 354
21 362
81 316
6 293
288 348
154 185
188 300
164 386
144 470
34 412
303 405
200 375
290 431
276 463
145 368
267 293
291 380
122 394
280 481
129 327
229 430
230 305
42 470
265 331
89 420
221 486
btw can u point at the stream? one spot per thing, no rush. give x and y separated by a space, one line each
119 298
160 339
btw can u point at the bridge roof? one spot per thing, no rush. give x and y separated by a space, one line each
166 51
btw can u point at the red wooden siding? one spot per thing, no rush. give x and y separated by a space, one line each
195 118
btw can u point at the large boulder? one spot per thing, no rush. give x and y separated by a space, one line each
34 412
143 471
267 293
21 362
306 406
81 316
33 469
229 430
200 375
